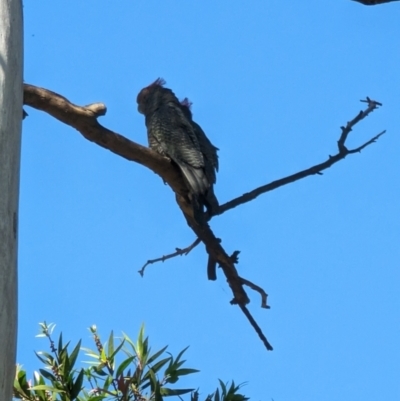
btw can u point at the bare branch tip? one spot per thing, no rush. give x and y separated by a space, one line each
98 109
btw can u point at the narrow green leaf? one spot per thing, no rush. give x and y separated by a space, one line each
37 378
107 382
51 327
47 388
46 355
77 386
146 350
130 342
156 367
99 370
65 363
74 354
223 387
139 343
47 375
170 392
112 356
181 353
103 357
155 387
60 342
111 344
157 354
124 365
184 372
90 352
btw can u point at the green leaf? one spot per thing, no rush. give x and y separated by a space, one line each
50 328
142 349
129 341
65 365
60 342
47 388
117 349
155 368
20 383
37 378
223 386
99 370
155 387
157 354
139 343
111 344
124 365
181 353
74 354
47 375
77 386
170 392
184 372
103 357
45 358
107 382
89 352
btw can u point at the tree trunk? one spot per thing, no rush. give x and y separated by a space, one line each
11 62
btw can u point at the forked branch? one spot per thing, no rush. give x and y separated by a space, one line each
84 119
318 168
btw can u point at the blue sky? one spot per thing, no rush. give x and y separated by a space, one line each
271 83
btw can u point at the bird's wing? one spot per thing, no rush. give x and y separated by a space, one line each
174 136
206 147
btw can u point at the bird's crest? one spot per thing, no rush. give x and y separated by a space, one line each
186 103
158 82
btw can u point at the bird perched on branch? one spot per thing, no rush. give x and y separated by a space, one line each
172 134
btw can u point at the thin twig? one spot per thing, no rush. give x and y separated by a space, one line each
258 289
372 140
178 252
317 169
372 105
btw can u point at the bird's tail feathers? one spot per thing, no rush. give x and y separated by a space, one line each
195 178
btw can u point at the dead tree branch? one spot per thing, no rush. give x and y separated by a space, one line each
84 120
318 168
258 289
373 2
256 327
178 252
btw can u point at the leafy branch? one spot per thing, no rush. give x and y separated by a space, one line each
120 370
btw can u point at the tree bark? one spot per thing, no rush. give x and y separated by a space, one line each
11 62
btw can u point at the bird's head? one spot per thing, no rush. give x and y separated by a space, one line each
146 96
